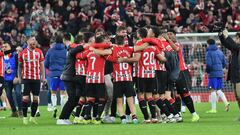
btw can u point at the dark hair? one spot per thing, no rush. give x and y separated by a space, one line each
79 38
67 36
99 30
211 41
59 37
142 32
238 34
172 31
83 30
148 26
99 39
87 36
119 40
120 28
155 30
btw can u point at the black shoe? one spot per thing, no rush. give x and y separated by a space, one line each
55 113
14 114
37 114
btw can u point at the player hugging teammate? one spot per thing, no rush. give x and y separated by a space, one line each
154 65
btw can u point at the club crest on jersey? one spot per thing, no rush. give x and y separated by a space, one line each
93 77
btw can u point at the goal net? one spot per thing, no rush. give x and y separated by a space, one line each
194 49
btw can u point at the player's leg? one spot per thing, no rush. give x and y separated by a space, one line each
8 89
95 108
35 88
178 102
113 110
212 85
63 94
109 89
213 101
183 90
130 93
162 86
18 94
3 103
101 95
142 101
237 95
169 101
152 106
143 107
79 92
26 100
50 108
128 112
90 96
118 95
54 87
221 94
121 110
183 107
70 104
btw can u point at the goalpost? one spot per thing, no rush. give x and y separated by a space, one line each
194 49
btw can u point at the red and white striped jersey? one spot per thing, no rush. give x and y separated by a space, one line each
121 71
30 60
166 46
1 65
182 63
147 62
95 68
80 65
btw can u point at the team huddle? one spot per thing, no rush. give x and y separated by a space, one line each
153 69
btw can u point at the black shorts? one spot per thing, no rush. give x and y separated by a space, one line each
96 90
147 85
80 82
1 84
123 88
184 82
162 81
31 86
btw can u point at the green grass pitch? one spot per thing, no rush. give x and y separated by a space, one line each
221 123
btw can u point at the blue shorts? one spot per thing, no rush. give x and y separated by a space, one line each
56 84
215 83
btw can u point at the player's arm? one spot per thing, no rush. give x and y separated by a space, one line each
133 59
208 62
151 41
161 57
20 66
172 44
73 51
41 60
20 71
42 72
111 58
141 47
101 52
101 45
46 61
